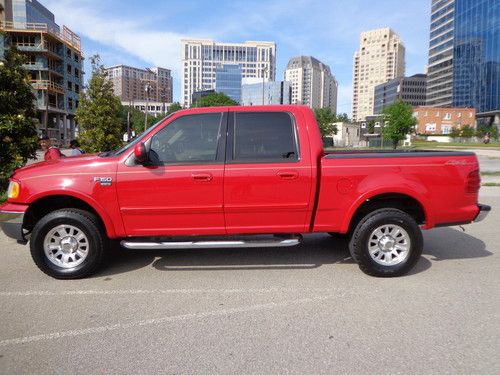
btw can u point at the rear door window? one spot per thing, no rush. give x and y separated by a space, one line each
264 137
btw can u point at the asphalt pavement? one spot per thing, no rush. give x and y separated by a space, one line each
299 310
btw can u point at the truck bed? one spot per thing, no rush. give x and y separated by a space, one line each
436 180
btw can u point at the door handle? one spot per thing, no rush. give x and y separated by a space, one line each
288 175
202 176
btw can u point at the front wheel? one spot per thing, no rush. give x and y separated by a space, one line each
68 244
386 243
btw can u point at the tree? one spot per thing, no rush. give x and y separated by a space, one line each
18 122
371 127
482 130
455 132
98 114
342 117
325 119
136 118
215 99
174 107
398 121
467 131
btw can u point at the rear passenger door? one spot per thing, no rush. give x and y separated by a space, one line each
267 182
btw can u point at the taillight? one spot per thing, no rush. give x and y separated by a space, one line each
473 182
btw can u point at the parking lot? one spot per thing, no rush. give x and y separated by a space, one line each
300 310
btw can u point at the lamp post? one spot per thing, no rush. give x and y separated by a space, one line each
147 87
264 71
381 119
128 118
163 95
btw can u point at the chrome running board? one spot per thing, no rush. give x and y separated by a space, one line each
219 244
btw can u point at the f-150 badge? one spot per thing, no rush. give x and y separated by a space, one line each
104 181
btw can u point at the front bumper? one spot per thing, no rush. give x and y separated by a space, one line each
484 210
11 223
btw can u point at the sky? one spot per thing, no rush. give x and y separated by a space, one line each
147 33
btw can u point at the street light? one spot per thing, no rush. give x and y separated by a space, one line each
381 119
147 87
163 96
264 71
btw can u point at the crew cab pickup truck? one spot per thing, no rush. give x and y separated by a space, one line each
224 177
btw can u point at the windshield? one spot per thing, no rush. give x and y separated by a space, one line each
135 141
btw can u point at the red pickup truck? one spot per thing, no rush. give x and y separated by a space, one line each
203 178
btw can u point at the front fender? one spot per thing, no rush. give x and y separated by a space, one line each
109 224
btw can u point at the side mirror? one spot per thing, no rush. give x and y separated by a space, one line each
140 153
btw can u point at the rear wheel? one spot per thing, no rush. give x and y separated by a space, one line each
68 244
387 242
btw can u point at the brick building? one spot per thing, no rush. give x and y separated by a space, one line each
434 120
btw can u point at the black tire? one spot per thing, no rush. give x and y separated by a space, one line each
84 221
359 243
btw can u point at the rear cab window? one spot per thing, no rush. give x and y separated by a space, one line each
263 137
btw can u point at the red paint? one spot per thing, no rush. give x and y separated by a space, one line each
314 194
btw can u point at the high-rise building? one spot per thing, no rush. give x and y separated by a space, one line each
278 92
411 90
228 81
200 59
312 83
381 57
53 61
134 84
440 65
464 54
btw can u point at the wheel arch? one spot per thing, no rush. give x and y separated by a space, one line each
403 201
42 205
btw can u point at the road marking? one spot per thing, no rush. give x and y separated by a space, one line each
156 291
167 319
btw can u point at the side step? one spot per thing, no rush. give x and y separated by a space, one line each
219 244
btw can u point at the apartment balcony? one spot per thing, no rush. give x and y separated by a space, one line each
39 84
40 67
38 48
66 36
35 66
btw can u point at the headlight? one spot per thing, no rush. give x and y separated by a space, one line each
13 191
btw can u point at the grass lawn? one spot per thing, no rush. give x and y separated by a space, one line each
423 144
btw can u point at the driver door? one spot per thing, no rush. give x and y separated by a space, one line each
181 192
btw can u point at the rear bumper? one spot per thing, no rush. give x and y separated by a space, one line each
11 223
484 210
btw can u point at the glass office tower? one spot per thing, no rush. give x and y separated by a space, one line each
464 54
228 81
279 92
476 75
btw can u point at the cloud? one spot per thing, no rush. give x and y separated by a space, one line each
149 32
130 35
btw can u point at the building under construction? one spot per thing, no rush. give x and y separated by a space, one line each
53 59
